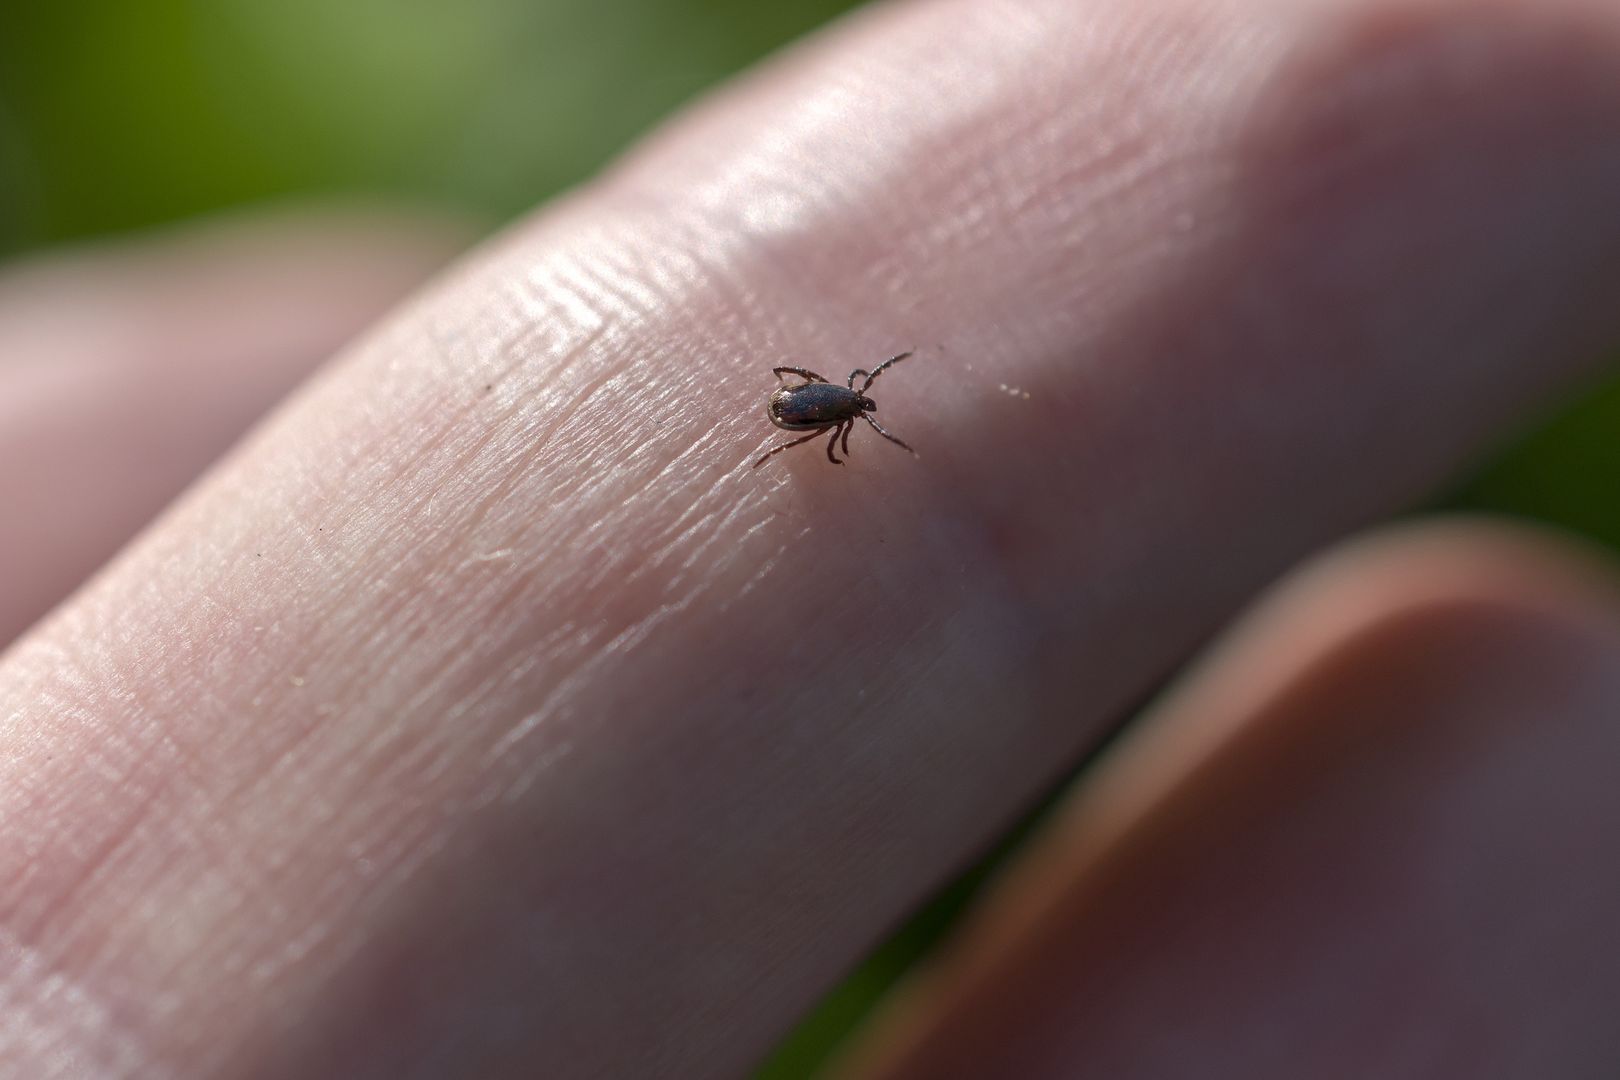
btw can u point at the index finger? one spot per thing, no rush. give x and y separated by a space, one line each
488 708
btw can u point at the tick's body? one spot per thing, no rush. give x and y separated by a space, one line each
817 405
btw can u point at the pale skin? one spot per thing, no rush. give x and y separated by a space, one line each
472 715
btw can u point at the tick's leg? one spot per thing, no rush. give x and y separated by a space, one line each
832 441
870 379
852 376
772 453
885 434
799 371
849 427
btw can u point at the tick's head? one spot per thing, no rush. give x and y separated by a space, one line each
867 404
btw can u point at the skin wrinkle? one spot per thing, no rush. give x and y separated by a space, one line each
1123 187
626 638
485 441
34 999
953 486
55 985
228 873
27 912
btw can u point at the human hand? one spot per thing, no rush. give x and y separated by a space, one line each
485 713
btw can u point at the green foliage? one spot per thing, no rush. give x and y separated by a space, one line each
121 113
1564 472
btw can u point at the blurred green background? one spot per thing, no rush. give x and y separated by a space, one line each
119 114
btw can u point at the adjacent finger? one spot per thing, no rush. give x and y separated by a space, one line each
1370 837
488 709
126 369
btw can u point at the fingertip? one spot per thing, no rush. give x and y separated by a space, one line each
1324 862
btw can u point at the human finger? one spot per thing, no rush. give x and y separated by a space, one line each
503 678
1368 837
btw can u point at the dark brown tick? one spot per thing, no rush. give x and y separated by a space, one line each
817 405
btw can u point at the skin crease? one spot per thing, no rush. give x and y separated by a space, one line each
1359 841
485 710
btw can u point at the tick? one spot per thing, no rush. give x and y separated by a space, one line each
817 405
